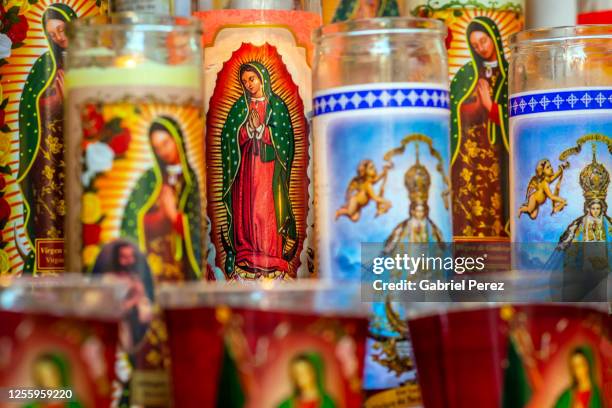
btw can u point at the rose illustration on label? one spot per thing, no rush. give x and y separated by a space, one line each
257 158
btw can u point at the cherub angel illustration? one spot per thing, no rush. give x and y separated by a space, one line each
360 191
538 189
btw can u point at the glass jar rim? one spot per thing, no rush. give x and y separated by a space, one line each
554 35
130 21
381 25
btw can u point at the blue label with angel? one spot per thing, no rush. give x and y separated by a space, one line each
382 153
561 144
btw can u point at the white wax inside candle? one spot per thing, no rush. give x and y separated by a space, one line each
142 74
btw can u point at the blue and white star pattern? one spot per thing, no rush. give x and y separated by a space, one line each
381 98
561 101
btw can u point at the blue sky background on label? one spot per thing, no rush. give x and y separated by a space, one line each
352 140
536 138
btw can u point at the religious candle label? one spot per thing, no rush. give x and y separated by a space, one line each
257 82
561 163
44 352
32 205
515 356
478 60
381 175
139 166
269 359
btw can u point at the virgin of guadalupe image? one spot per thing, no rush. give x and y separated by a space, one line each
257 146
418 227
479 129
583 391
307 373
41 160
163 211
51 371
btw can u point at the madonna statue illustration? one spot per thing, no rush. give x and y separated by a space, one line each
418 228
594 225
479 135
257 146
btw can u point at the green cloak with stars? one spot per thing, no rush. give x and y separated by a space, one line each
146 194
278 121
347 9
465 81
31 124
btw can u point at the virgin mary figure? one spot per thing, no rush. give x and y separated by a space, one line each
163 210
479 134
582 262
257 147
583 390
419 227
307 373
41 154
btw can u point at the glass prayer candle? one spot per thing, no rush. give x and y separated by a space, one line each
561 150
513 356
287 345
32 204
257 97
136 168
60 336
381 154
477 44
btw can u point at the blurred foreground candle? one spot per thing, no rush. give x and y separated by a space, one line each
514 356
478 69
258 92
266 345
32 206
60 335
136 168
561 156
381 154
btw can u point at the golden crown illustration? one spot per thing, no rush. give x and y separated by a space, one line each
594 179
418 181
